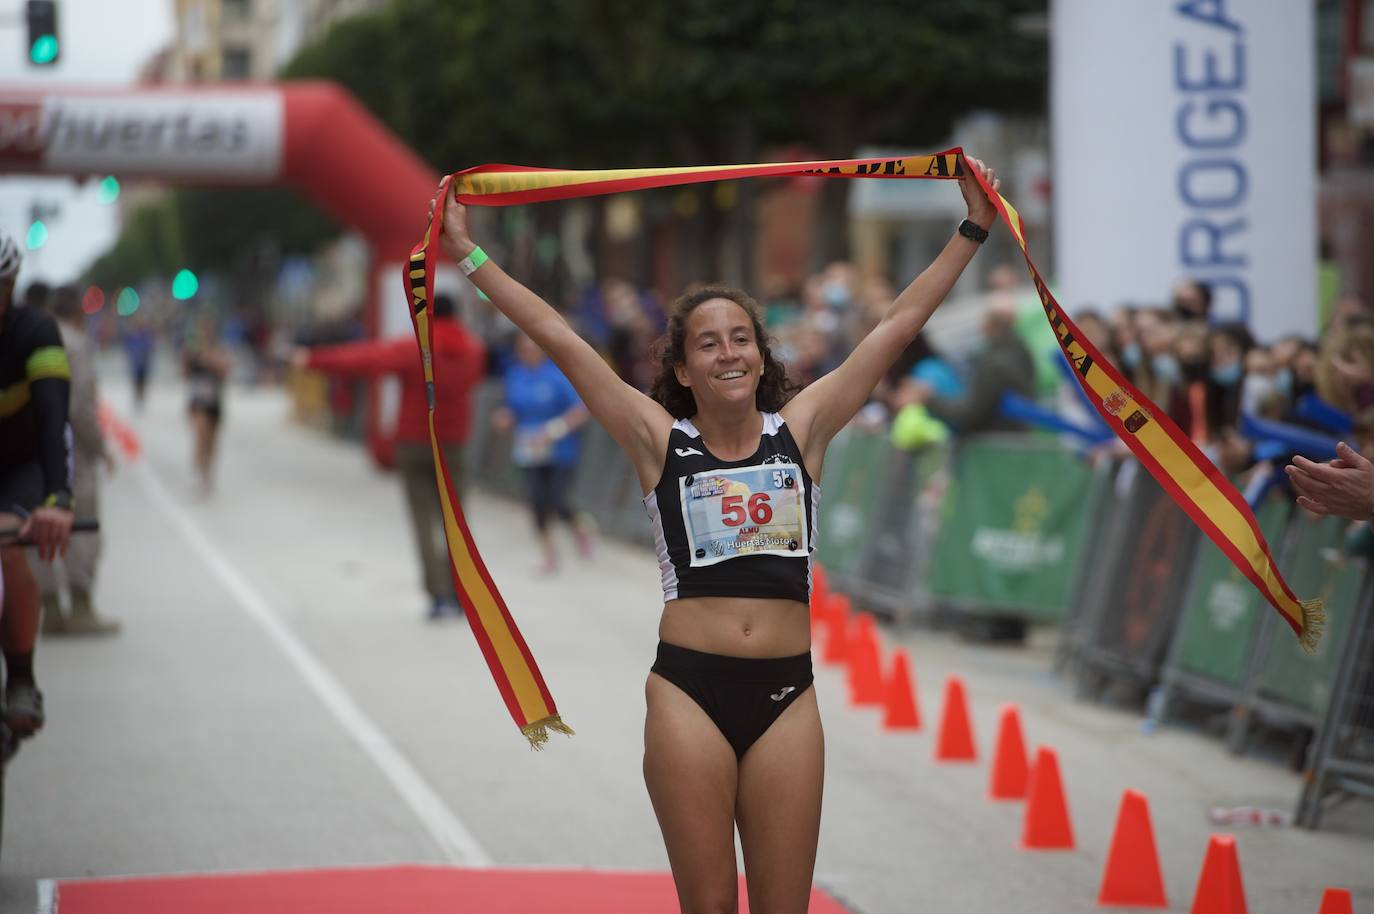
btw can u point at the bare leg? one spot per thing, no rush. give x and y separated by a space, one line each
18 633
211 443
19 622
691 774
200 445
550 560
780 781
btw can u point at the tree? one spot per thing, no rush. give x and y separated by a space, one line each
892 74
608 83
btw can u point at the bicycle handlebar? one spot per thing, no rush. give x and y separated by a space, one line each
80 525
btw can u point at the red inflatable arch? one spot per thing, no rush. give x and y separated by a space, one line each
312 136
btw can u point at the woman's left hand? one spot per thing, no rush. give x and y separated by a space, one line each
980 208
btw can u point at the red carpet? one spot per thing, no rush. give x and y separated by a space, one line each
390 890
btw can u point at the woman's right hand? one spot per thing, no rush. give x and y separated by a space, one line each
454 238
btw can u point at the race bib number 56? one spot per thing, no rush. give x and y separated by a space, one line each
756 510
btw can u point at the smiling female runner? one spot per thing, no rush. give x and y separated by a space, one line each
731 470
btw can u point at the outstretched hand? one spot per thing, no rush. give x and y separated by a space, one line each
980 208
1344 486
454 238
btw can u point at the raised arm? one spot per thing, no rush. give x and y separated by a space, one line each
638 424
819 412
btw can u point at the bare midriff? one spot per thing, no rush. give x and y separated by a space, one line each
737 626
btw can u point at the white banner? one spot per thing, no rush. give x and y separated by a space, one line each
1184 137
222 136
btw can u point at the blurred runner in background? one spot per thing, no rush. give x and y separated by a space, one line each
459 359
544 413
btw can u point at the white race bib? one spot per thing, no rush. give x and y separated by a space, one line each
754 510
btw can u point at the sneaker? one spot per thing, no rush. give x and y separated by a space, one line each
23 708
84 620
445 608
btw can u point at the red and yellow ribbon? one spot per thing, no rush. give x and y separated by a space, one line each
1190 478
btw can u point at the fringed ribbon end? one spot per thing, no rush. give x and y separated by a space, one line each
538 732
1313 623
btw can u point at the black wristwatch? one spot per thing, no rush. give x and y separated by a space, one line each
61 500
973 231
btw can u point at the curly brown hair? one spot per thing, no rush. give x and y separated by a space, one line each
774 389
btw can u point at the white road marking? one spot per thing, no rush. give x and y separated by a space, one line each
448 831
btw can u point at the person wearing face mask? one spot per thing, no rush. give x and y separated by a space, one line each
1125 340
1160 374
1191 350
1003 364
1229 344
1262 391
1192 300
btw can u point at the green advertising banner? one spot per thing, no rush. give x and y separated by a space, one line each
1317 565
851 485
1222 611
1012 528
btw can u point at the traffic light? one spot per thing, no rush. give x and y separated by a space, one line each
41 16
126 303
185 285
109 189
37 236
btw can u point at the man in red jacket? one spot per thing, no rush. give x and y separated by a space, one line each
459 359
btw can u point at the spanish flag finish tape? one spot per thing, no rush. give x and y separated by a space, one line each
1191 480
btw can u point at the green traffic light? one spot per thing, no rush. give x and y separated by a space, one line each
38 235
185 285
127 302
109 189
44 49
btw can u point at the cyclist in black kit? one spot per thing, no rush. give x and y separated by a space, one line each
35 479
730 464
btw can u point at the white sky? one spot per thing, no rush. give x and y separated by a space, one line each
103 43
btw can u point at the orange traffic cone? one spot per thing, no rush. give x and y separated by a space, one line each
1047 811
955 741
1010 772
1337 901
1219 889
1132 878
837 609
837 637
899 708
865 664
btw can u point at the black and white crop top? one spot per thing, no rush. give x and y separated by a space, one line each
735 528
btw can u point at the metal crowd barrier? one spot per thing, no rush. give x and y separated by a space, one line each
487 458
874 535
851 489
1127 603
1014 527
1233 651
1341 763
